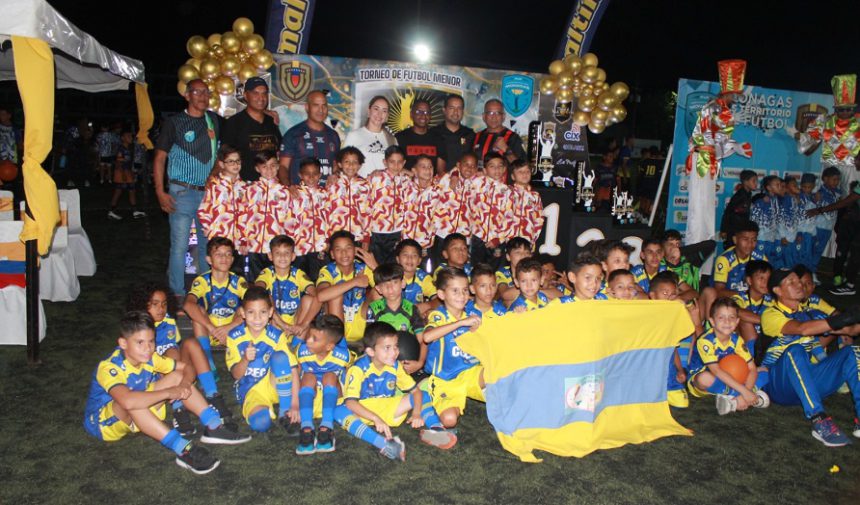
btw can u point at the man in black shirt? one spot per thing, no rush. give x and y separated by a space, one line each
252 130
457 139
495 137
419 140
738 209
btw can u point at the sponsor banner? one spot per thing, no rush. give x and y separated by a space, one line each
766 119
581 27
288 26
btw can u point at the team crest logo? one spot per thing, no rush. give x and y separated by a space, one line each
806 114
295 79
294 293
517 91
695 101
390 384
583 393
562 112
232 302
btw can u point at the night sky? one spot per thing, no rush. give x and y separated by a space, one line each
649 44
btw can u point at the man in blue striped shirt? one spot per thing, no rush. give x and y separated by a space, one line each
187 146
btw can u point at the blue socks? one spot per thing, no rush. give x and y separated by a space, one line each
428 413
260 421
207 382
329 403
210 417
751 347
280 364
357 428
720 388
174 441
306 406
207 350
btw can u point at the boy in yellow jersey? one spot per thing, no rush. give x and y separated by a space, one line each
483 287
753 303
456 375
419 284
528 275
265 370
516 250
129 389
586 276
342 284
291 290
214 298
664 286
730 266
371 395
323 358
706 376
614 255
455 253
621 285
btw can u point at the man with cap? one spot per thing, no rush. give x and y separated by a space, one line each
710 142
837 133
801 373
252 130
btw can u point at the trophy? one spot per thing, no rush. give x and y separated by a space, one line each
629 207
619 204
585 187
546 138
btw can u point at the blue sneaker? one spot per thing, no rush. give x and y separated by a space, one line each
325 440
307 442
826 431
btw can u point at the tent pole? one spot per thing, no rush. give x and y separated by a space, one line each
32 295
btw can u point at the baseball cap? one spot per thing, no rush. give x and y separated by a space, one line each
776 278
254 82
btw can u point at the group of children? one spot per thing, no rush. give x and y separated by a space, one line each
389 205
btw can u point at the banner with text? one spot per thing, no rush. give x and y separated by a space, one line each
765 118
288 26
581 27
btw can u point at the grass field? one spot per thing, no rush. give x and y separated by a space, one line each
46 457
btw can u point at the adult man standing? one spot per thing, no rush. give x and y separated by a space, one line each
419 139
311 138
496 137
187 145
252 131
457 139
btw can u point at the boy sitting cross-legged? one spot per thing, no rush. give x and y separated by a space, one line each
129 390
371 396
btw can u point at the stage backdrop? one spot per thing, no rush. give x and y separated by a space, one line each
764 116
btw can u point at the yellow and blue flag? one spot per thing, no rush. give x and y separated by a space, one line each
573 378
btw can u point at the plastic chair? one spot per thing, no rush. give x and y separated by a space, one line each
79 242
58 280
13 308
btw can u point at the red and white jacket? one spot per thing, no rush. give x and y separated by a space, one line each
451 212
490 204
349 206
526 218
307 223
389 197
222 209
420 223
266 210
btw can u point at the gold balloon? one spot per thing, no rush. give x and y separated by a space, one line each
230 66
262 60
194 62
565 95
620 90
196 46
581 117
209 68
606 101
214 101
230 42
211 86
605 86
587 103
246 71
618 113
556 67
217 51
243 56
565 78
589 60
601 75
596 127
213 39
187 73
588 74
573 62
599 116
243 27
548 85
180 87
224 85
253 44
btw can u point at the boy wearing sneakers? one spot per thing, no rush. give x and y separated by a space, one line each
129 390
291 290
371 396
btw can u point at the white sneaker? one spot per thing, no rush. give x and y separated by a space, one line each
726 404
762 401
138 214
113 215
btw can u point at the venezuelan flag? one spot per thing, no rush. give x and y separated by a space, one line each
571 379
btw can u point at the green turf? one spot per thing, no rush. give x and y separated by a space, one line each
46 457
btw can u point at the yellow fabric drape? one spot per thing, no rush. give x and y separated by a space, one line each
34 71
145 115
